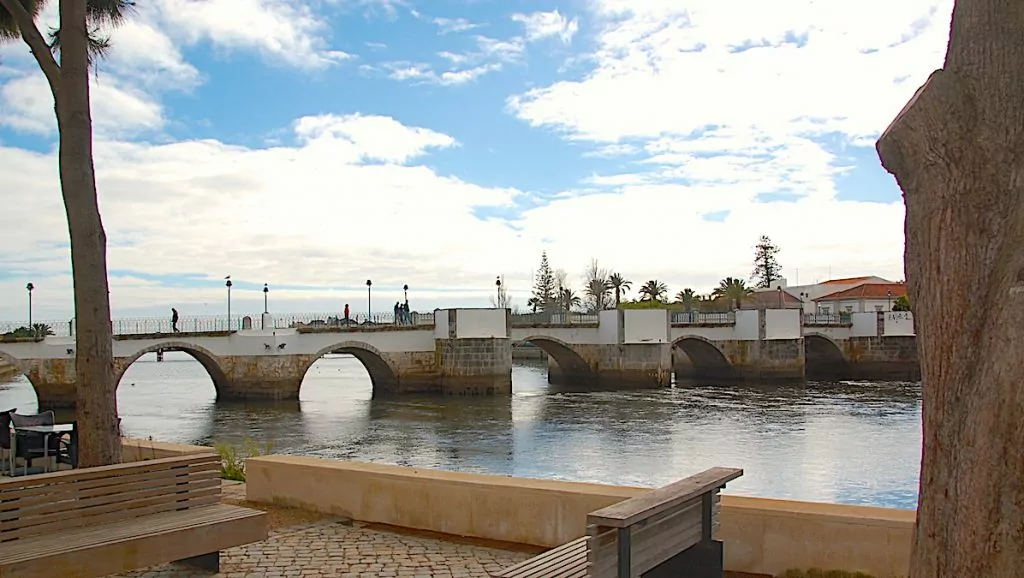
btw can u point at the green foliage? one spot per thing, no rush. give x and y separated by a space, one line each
653 290
650 304
37 330
232 458
902 303
733 291
619 286
766 267
544 289
689 299
817 573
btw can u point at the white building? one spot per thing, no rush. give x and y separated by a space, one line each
863 298
808 294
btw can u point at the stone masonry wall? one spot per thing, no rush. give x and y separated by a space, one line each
882 358
53 380
475 366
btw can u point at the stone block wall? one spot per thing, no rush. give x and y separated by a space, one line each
54 382
475 366
893 357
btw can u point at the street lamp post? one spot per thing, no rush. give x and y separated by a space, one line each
405 289
780 296
888 298
497 288
228 285
369 301
265 291
29 288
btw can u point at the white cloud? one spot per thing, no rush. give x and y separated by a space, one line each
539 25
721 110
26 104
681 134
312 214
423 72
449 25
286 31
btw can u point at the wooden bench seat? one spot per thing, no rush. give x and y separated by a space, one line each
566 561
99 521
665 532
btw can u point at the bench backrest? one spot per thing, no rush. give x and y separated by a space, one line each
645 531
48 503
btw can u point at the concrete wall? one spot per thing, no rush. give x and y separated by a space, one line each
882 358
898 323
747 326
481 323
863 325
761 535
137 450
783 324
646 326
610 326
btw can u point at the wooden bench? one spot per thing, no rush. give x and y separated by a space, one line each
665 532
112 519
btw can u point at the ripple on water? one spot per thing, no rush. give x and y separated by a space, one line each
848 442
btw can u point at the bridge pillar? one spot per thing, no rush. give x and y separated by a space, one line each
473 351
54 382
260 377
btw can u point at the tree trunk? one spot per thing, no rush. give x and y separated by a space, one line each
96 404
957 151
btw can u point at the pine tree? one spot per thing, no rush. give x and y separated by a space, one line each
766 268
544 284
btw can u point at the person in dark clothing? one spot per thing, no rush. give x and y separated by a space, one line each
406 318
346 314
398 312
174 320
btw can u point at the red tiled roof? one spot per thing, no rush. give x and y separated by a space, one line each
771 296
847 281
868 291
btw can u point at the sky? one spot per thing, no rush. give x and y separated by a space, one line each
314 144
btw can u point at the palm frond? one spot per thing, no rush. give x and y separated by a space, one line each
100 15
9 27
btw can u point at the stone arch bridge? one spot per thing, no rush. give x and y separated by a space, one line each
469 351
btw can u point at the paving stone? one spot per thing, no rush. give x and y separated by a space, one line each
333 548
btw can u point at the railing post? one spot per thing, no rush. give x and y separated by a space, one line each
625 563
707 515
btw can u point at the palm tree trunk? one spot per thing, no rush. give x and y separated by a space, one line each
96 404
957 151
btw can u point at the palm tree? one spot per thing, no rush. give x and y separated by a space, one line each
568 299
652 290
688 298
734 290
533 303
619 285
598 290
79 44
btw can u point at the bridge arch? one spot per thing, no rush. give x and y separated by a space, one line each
574 369
16 364
823 358
204 356
707 359
383 373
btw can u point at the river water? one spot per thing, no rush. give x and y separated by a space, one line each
852 442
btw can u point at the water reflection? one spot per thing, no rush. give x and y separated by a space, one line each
843 442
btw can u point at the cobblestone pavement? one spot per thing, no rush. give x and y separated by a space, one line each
340 549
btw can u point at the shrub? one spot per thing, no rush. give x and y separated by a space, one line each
232 458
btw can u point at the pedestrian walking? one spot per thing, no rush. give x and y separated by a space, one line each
346 314
174 320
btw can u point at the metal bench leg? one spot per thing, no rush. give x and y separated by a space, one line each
209 562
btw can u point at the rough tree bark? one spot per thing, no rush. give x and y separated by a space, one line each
96 403
957 151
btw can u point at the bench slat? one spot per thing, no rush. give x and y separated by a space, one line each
628 512
95 487
127 545
566 561
87 507
45 545
116 512
41 482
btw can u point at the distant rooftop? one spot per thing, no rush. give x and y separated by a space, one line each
868 291
849 280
